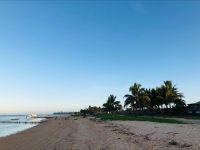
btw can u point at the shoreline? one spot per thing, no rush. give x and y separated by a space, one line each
90 133
9 126
19 131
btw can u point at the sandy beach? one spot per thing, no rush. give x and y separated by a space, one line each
93 134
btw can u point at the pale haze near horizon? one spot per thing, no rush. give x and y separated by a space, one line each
65 55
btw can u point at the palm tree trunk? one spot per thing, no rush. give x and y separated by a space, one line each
143 110
147 110
153 110
170 108
133 112
137 111
162 109
167 109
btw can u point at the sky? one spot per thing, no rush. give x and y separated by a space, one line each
67 55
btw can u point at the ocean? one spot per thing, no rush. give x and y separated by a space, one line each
12 128
7 129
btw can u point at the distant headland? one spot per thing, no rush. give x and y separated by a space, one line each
63 112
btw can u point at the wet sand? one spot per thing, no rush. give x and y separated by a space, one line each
93 134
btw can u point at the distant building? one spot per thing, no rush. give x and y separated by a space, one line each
194 107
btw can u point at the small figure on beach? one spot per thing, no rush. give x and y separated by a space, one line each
56 118
66 118
84 115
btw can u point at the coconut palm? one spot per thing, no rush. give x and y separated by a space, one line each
137 98
168 94
111 105
154 103
179 103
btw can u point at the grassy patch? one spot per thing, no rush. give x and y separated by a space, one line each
189 116
76 115
139 118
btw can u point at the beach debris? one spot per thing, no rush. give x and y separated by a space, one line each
115 129
185 145
173 142
96 120
108 126
131 133
172 133
156 127
147 138
136 141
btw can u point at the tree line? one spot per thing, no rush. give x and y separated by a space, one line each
152 100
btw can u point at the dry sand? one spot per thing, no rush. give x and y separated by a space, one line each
93 134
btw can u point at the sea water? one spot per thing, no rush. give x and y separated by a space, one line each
12 128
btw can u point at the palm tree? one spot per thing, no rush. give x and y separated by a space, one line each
138 98
154 103
111 105
168 94
179 103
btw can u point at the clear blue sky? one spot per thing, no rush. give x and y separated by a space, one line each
67 55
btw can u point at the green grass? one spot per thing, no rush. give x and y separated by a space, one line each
139 118
76 115
186 116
